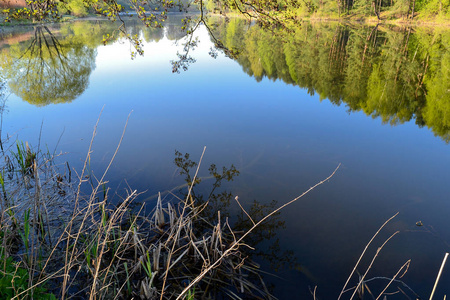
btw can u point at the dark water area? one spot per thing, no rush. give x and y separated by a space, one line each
286 111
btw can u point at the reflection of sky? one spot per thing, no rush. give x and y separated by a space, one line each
282 140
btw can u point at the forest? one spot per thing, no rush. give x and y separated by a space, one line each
436 11
377 10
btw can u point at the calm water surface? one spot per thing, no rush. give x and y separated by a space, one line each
285 112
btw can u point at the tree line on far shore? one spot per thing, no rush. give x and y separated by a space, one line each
436 10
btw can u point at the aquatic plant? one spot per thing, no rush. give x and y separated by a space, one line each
63 239
58 242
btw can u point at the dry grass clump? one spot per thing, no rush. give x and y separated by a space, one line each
34 203
56 242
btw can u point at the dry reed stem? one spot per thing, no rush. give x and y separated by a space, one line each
68 260
115 214
362 254
439 275
117 148
371 263
406 264
39 211
236 244
136 244
118 212
248 216
42 281
180 224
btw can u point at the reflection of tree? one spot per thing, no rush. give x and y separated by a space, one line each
48 71
361 50
437 81
392 85
153 34
2 107
174 32
396 75
263 238
2 87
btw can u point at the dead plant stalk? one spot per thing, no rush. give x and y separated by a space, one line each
362 255
405 265
371 263
439 276
237 243
180 220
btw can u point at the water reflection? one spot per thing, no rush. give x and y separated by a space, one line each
397 74
46 65
153 34
47 69
290 139
2 107
218 202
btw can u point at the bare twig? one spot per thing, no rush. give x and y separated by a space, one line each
439 275
180 219
362 254
371 263
237 200
236 244
405 265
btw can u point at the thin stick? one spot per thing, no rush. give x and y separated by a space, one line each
117 149
406 264
362 254
180 220
371 263
69 255
439 275
235 244
237 200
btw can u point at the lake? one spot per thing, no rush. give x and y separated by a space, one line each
285 108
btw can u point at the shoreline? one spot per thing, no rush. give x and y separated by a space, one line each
360 20
373 21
